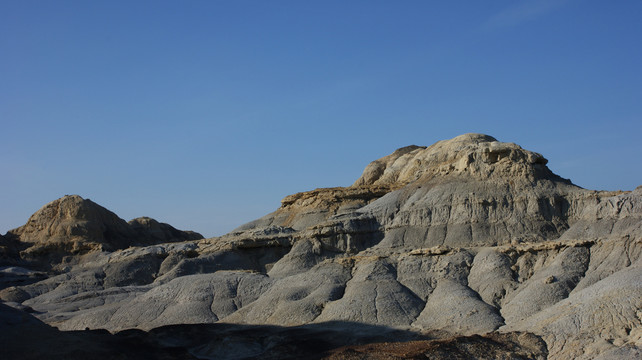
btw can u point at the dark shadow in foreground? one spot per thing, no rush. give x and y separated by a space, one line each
25 337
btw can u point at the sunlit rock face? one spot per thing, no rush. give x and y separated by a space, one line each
466 236
64 230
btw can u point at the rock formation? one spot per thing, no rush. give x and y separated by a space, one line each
462 238
71 226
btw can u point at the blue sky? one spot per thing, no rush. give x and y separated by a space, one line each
205 114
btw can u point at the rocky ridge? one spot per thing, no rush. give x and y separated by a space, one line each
464 237
69 227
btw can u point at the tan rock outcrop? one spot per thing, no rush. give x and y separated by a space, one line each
67 228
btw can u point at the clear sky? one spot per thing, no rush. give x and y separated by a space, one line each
205 114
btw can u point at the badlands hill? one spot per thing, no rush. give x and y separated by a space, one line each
466 237
57 235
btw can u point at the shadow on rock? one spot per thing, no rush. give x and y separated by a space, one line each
233 341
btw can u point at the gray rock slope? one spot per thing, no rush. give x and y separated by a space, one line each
467 236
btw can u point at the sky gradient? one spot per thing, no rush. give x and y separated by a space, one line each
205 114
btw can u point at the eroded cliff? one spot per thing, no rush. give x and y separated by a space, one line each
466 236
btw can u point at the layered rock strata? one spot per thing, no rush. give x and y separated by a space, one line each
467 236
